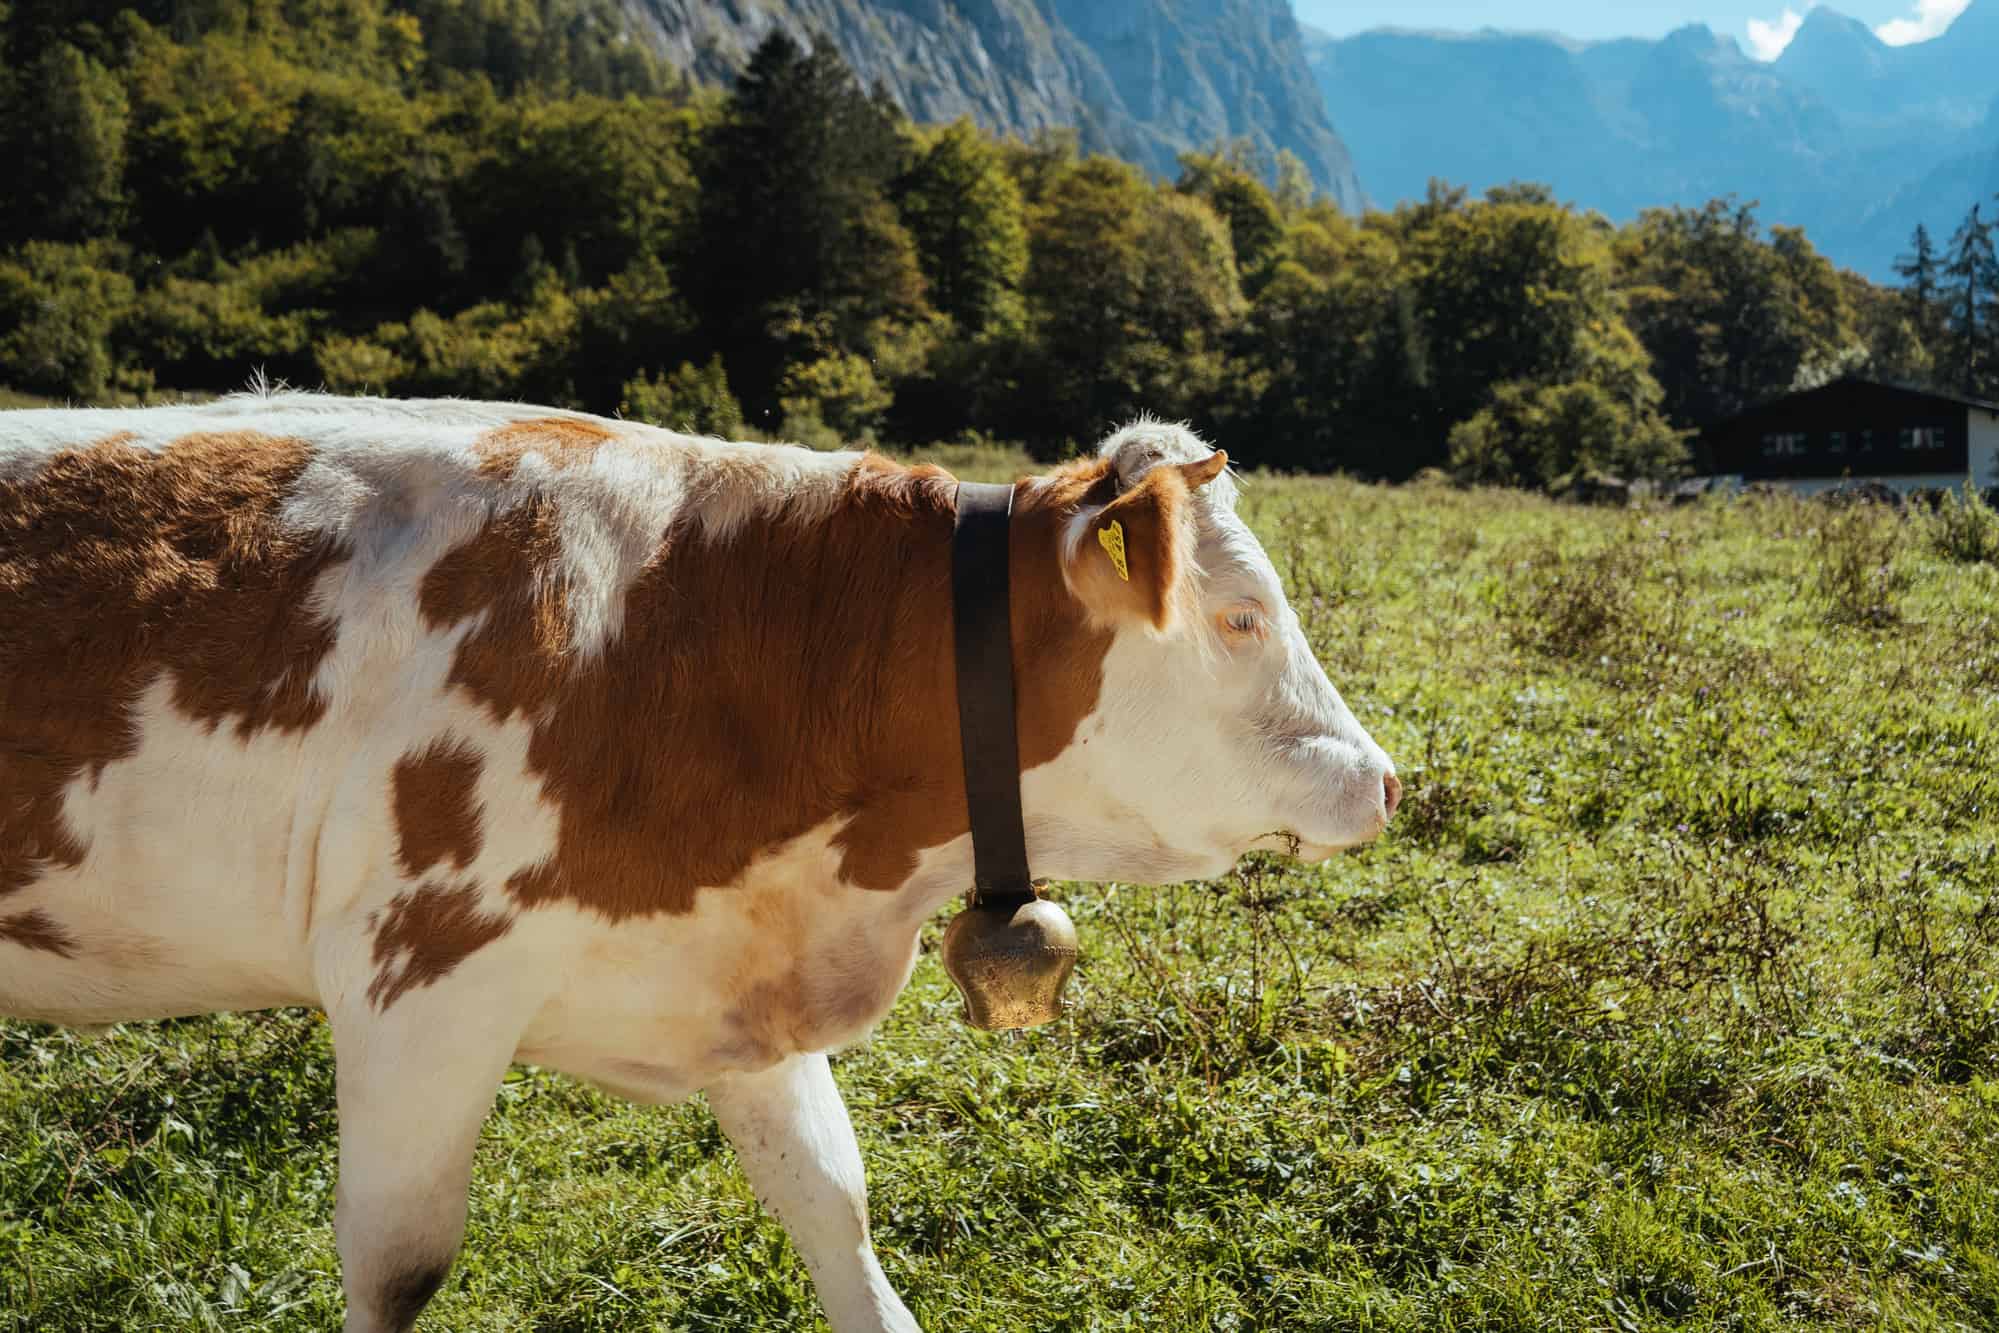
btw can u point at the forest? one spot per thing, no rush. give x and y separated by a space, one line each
509 199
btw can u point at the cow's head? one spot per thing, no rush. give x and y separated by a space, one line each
1215 731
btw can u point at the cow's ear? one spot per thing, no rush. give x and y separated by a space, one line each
1131 558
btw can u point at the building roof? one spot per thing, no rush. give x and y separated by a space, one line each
1962 400
1861 382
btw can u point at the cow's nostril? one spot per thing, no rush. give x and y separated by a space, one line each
1391 791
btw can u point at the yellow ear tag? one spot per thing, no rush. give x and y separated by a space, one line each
1112 539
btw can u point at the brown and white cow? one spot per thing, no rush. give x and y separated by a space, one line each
505 734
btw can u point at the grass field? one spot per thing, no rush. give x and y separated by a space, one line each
1669 1002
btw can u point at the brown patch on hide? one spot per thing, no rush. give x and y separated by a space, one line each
796 671
560 440
425 933
37 930
118 564
436 799
518 658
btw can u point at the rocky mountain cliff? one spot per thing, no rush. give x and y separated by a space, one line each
1142 79
1948 82
1852 139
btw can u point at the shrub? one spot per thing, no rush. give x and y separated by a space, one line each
695 399
492 350
196 332
59 305
1546 435
1965 528
355 365
839 389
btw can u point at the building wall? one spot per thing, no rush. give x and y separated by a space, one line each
1903 483
1846 426
1984 449
1926 481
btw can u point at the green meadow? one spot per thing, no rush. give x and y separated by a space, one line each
1668 1002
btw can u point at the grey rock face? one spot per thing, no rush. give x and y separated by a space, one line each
1142 79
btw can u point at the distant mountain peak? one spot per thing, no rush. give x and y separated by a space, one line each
1823 21
1695 36
1831 50
1850 137
1697 41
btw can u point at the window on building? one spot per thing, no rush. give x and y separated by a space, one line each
1919 439
1836 442
1784 445
1866 442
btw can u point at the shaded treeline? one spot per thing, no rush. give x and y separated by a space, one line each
1952 298
505 198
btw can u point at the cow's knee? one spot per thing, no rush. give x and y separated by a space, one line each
397 1222
415 1080
405 1295
387 1296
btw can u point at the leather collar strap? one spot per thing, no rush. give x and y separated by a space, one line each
984 654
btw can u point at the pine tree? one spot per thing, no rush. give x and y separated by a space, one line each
792 230
63 128
1919 272
1988 382
1974 271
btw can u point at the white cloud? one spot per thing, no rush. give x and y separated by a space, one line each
1768 38
1931 18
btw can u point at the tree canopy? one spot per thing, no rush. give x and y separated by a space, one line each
509 198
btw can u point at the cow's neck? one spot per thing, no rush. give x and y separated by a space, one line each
914 801
792 675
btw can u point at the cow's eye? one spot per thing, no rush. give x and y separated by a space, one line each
1243 622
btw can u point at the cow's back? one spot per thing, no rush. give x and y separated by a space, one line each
227 631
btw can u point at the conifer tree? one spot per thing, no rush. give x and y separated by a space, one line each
62 127
1920 273
1974 272
793 231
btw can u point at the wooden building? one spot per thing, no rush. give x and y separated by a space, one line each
1856 432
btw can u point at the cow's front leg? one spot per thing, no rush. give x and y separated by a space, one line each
797 1147
414 1083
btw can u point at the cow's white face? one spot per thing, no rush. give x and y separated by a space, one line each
1220 733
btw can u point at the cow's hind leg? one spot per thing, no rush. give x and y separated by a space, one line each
797 1147
415 1083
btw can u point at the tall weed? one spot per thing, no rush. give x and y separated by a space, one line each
1572 606
1858 580
1965 528
1620 608
1936 927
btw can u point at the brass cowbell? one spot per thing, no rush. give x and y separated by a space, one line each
1010 958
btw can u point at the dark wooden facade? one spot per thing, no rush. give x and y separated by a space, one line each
1849 427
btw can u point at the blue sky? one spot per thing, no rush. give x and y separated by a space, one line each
1762 26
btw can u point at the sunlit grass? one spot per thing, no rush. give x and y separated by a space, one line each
1669 1002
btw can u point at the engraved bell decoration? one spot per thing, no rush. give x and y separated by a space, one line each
1010 959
